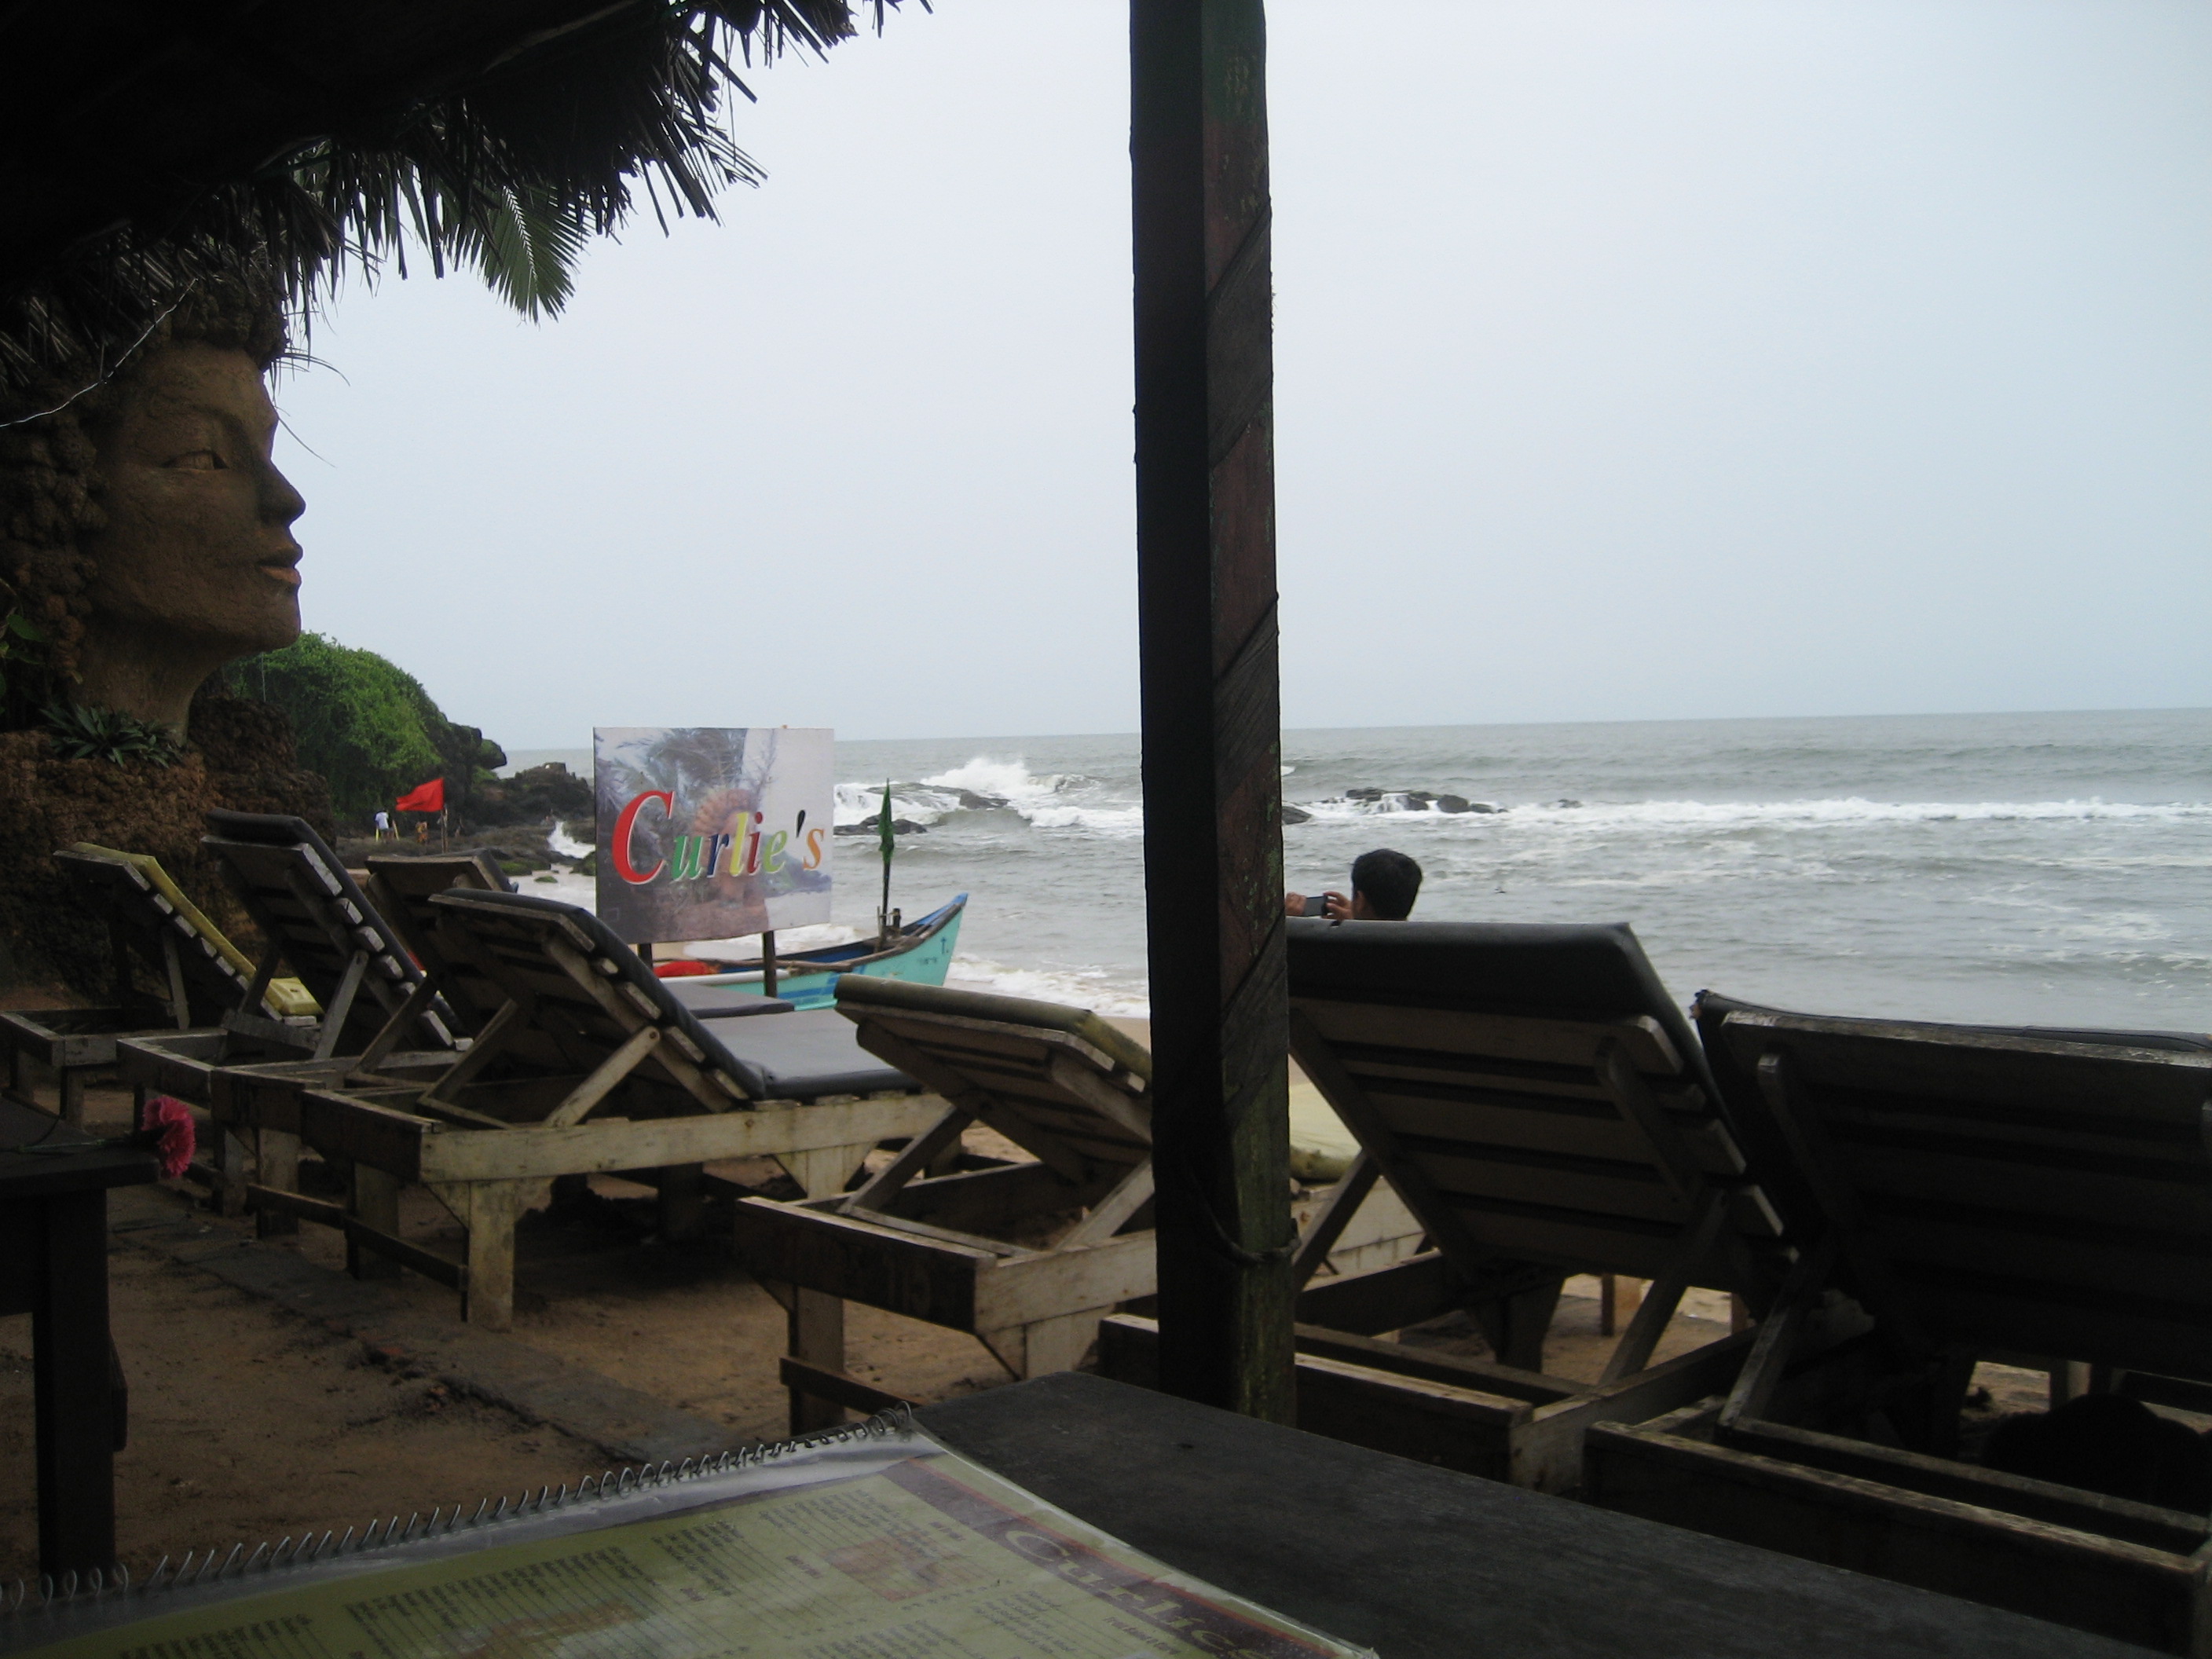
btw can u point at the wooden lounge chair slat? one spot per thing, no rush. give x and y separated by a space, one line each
1543 1124
2151 1152
2164 1268
1953 1068
2060 1191
1457 1032
1594 1186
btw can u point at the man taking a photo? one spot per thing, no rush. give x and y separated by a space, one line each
1384 885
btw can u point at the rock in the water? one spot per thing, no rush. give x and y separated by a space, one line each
535 794
975 802
1564 804
1363 794
1452 804
872 827
1296 814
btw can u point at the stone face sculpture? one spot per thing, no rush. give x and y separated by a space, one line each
144 533
196 564
145 539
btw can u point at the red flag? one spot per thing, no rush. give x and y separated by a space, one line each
423 798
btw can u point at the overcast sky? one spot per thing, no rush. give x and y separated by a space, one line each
1635 358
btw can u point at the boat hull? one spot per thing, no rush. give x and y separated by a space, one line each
807 982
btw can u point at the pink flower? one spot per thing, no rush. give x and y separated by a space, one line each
167 1128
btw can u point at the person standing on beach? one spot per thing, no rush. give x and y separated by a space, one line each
1384 885
383 824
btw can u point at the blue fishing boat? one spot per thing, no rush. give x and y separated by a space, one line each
918 951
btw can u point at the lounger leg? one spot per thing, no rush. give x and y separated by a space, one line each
1517 1325
826 1169
2069 1380
230 1157
488 1295
73 1096
682 1202
375 1201
816 1323
279 1159
18 1078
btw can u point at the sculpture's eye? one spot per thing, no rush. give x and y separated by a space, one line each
201 460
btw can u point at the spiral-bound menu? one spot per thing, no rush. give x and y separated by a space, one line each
873 1543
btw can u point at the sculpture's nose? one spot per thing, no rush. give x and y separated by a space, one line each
280 503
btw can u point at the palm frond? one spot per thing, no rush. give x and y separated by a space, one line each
501 151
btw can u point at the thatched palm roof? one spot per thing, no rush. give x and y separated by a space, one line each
144 143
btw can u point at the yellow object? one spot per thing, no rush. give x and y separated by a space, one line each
287 998
1321 1148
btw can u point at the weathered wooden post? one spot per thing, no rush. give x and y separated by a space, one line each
1205 559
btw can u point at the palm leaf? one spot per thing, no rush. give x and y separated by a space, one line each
505 163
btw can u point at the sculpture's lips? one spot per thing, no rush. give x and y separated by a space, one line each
284 568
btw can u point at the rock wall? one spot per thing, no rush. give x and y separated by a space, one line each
242 758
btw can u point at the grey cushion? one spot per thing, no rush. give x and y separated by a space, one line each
720 1002
809 1053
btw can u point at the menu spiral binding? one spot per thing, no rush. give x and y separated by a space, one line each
27 1599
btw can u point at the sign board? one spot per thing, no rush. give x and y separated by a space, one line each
713 832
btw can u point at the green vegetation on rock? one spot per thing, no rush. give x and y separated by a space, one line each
367 725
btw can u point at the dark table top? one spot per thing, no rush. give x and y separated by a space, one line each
43 1175
1417 1561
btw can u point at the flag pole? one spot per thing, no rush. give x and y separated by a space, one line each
887 842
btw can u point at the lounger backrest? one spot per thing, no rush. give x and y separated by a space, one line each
1528 1088
1047 1077
582 991
310 910
401 889
133 892
2036 1193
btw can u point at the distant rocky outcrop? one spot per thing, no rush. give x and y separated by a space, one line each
534 795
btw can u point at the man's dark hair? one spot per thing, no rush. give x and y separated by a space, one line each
1391 881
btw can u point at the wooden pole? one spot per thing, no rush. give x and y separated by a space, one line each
768 964
1205 563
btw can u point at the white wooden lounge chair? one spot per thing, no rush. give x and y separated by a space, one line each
585 1063
1543 1110
1027 1257
1060 1083
2040 1198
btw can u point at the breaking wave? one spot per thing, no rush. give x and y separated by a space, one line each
1072 801
1048 801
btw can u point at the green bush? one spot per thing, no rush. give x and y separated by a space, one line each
367 725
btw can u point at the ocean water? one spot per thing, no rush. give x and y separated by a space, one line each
2017 868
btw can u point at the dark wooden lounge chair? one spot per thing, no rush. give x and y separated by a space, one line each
377 1007
583 1062
173 971
2041 1198
1543 1109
